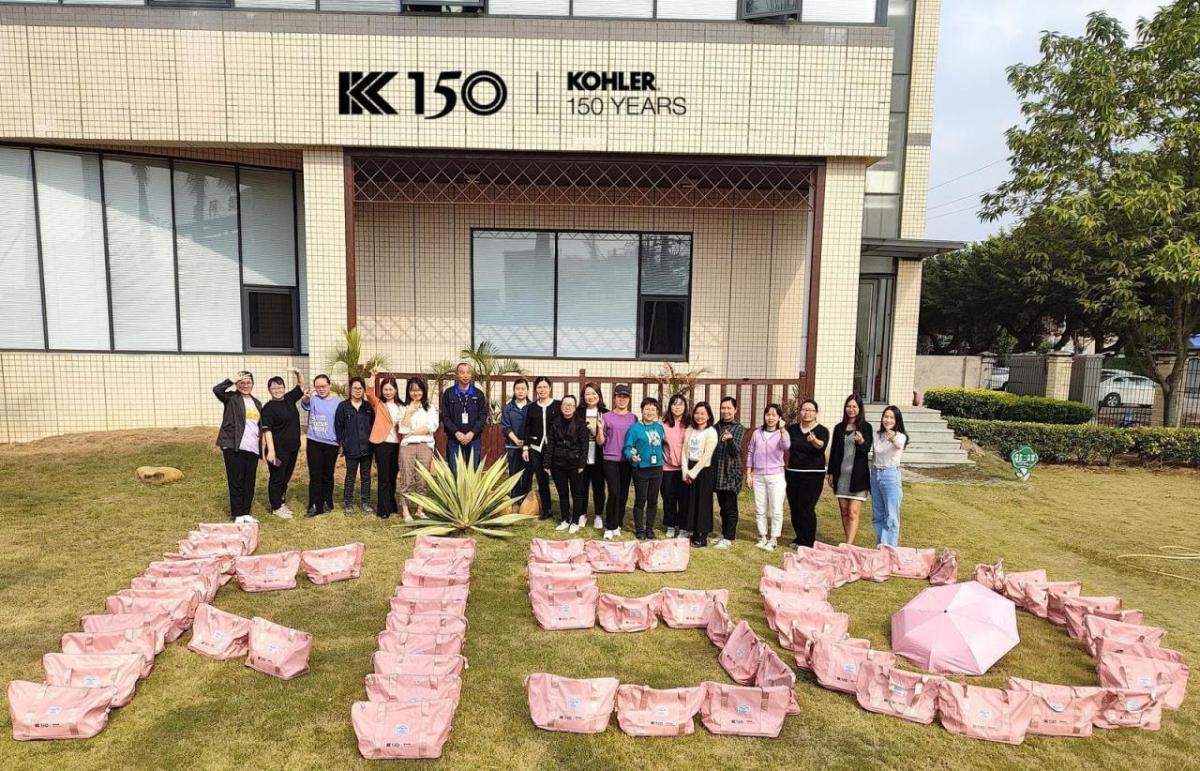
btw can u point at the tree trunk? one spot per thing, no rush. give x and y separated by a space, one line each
1172 388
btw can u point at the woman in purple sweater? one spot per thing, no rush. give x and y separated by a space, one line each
765 461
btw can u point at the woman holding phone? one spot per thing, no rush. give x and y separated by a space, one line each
808 441
886 490
593 471
849 476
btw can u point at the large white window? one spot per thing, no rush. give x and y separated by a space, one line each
210 304
514 291
597 295
839 11
20 289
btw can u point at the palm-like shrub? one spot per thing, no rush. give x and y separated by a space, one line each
349 359
478 498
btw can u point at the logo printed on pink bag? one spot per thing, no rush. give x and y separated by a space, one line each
743 709
849 667
402 729
573 702
985 714
52 711
661 711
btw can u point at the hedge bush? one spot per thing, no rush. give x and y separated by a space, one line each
982 404
1084 443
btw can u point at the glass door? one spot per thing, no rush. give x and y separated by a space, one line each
872 338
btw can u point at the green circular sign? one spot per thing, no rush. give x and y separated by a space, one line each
1024 457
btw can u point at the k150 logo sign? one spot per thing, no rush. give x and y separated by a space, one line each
482 93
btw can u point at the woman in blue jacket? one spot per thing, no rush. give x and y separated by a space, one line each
512 426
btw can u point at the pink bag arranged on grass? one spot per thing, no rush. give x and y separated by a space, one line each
422 664
142 641
1060 710
689 608
836 662
732 710
431 545
118 671
42 711
191 597
575 706
1130 709
645 711
178 565
908 562
1036 597
793 582
1015 584
413 687
267 572
669 555
1124 671
741 654
207 584
546 584
549 550
781 610
721 625
612 556
565 609
806 623
277 650
442 566
774 673
1056 592
426 623
806 645
415 577
160 623
247 531
220 635
458 593
870 564
1097 627
991 576
822 562
1075 608
1129 616
887 690
574 571
418 642
335 563
627 614
175 610
1145 650
215 545
993 714
392 730
407 604
945 569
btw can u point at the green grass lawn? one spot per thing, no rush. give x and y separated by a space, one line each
75 526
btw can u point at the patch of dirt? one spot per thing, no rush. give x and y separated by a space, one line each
80 443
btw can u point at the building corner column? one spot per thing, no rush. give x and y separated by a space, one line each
325 246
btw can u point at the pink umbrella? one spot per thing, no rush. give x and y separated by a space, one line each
957 629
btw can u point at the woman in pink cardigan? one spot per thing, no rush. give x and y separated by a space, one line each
765 460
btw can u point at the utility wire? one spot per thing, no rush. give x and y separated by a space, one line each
956 211
963 198
969 173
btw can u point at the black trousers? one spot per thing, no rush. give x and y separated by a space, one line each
387 465
646 484
360 467
700 506
278 477
803 492
672 498
542 476
617 475
572 494
322 458
241 468
593 478
728 501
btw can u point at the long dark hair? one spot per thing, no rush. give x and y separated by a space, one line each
537 381
707 410
899 423
861 419
600 407
778 413
396 386
419 383
669 418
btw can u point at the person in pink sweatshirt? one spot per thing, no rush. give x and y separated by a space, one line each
675 422
765 460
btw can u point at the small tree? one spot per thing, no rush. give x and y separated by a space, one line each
489 365
349 360
677 381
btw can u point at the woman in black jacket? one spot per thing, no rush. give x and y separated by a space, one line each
849 475
240 440
352 424
808 442
565 455
543 409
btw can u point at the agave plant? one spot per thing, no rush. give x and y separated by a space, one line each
477 498
349 359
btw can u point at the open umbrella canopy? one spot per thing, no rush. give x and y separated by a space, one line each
956 629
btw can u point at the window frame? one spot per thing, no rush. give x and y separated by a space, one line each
291 291
638 355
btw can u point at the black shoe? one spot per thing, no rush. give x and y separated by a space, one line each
385 516
312 512
640 536
327 508
650 536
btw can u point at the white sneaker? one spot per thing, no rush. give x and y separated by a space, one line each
282 513
683 534
598 523
244 519
285 509
582 521
563 526
607 535
670 532
771 544
617 533
572 529
723 544
762 541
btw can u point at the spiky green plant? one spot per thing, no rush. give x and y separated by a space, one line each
477 499
440 372
349 359
488 365
677 381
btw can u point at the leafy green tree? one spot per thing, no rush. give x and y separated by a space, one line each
349 360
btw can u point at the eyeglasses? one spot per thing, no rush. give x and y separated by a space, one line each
807 409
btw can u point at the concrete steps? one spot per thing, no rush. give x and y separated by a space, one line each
932 442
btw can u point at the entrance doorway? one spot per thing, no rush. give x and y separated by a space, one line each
872 348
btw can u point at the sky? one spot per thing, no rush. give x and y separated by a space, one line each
973 104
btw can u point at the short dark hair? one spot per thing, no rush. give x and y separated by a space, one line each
519 381
729 399
650 400
569 396
318 377
358 380
274 380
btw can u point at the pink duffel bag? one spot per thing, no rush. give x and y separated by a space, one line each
1125 671
192 597
565 609
836 662
612 556
1125 616
908 562
267 572
277 650
840 551
993 714
215 545
141 641
417 577
1036 597
732 710
413 687
645 711
1076 608
803 624
395 730
689 608
177 565
1097 627
550 550
442 566
945 569
721 625
220 635
870 564
548 584
791 582
444 546
422 664
118 671
247 531
176 610
427 623
1130 709
822 562
669 555
991 576
406 603
160 623
1056 592
207 584
43 711
419 642
335 563
806 645
1017 584
1145 650
574 571
1060 710
887 690
773 672
781 610
741 654
574 706
627 614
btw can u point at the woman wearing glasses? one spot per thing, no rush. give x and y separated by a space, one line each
807 440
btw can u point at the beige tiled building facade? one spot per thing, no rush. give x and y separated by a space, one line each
599 184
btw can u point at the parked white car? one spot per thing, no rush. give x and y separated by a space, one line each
1122 390
999 378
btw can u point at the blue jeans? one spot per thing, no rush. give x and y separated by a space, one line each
886 493
517 465
470 451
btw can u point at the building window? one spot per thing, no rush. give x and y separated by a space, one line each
271 314
191 3
769 9
582 295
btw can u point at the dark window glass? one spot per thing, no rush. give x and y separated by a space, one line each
272 320
185 3
757 9
664 328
